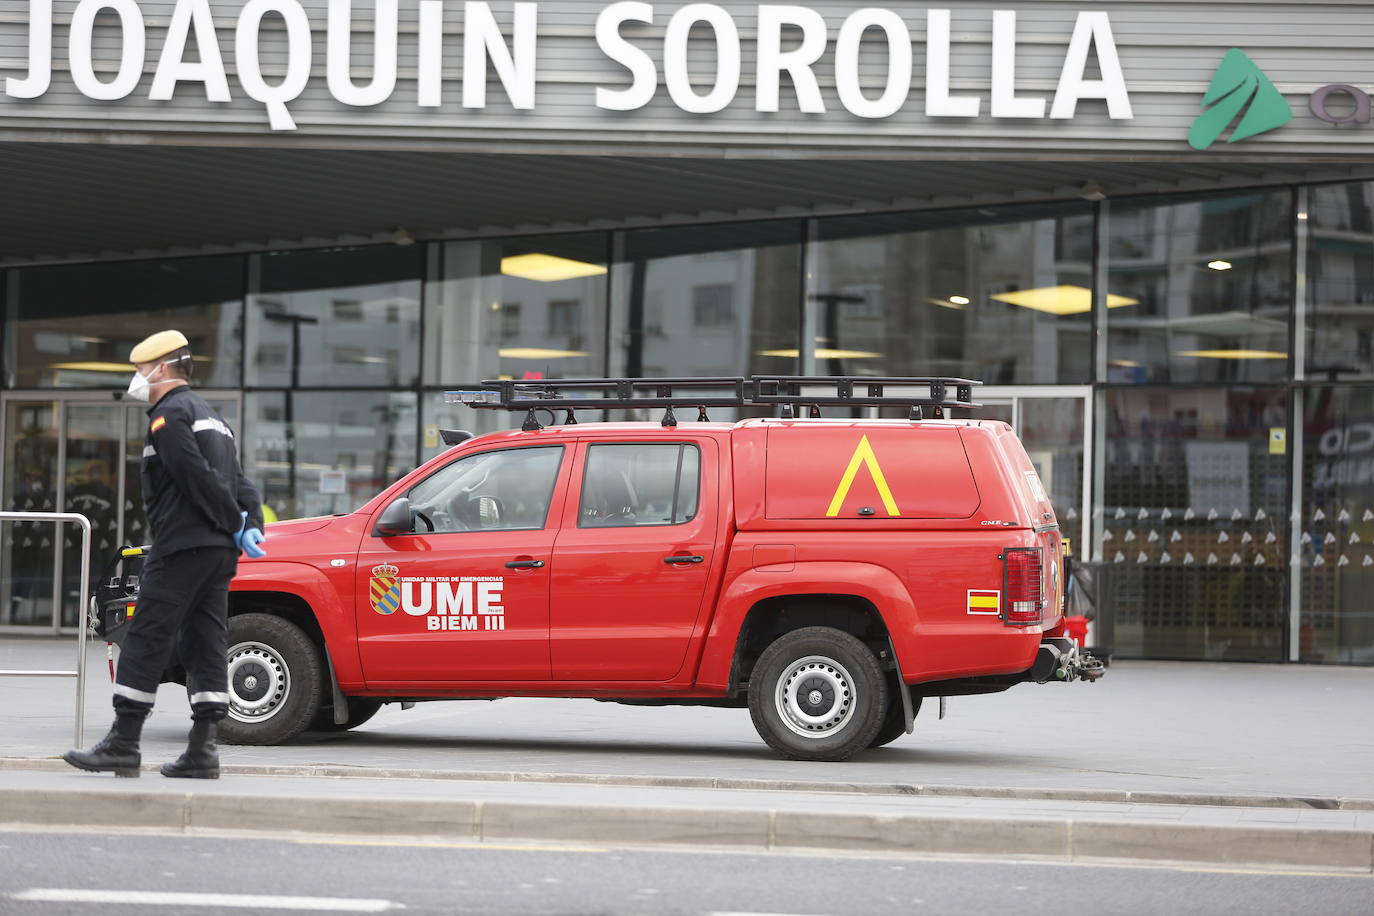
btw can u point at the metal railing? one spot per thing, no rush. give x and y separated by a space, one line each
83 618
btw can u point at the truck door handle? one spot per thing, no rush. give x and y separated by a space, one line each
682 559
524 564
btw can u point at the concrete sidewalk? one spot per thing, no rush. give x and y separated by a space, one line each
496 812
1210 763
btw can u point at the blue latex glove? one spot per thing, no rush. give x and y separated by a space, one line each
247 539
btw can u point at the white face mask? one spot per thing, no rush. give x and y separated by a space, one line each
139 387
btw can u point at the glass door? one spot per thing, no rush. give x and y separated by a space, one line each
92 434
1054 424
27 549
79 451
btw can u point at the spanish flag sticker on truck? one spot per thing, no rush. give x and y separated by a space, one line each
984 601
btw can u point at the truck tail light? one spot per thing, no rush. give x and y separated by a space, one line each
1023 592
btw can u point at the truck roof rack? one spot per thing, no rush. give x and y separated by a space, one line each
788 392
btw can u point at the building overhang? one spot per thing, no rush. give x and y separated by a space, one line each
94 201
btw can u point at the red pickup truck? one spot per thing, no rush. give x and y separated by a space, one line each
827 573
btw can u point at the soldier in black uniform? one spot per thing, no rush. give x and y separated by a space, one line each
202 511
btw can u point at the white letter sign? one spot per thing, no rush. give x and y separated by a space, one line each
172 66
297 57
939 103
1091 29
40 54
131 53
339 60
697 54
675 74
482 40
614 46
772 60
1005 104
898 63
430 61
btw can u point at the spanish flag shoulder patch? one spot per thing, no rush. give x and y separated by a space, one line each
157 424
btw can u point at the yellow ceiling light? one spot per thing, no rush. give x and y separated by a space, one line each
537 353
828 353
548 268
94 367
959 300
1061 300
1124 363
1219 264
825 353
1233 354
949 303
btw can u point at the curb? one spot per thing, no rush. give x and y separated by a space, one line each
1314 802
1041 838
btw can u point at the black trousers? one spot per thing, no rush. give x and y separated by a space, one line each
183 604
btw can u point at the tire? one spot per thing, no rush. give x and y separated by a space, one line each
275 680
360 709
894 724
817 694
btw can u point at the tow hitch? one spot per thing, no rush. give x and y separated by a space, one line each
1060 659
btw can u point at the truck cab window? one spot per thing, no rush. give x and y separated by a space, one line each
632 485
491 491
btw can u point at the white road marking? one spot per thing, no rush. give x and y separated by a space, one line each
244 901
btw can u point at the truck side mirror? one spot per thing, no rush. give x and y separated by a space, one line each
395 519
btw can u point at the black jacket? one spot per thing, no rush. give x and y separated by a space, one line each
193 487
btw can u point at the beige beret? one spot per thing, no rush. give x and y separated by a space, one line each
159 344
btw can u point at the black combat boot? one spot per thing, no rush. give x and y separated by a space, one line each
117 752
201 760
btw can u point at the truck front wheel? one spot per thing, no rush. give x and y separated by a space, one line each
817 694
275 680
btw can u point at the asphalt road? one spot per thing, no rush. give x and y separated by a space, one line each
48 873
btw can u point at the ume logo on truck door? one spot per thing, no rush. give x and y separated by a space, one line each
863 455
446 602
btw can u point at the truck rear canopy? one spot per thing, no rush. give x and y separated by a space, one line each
916 471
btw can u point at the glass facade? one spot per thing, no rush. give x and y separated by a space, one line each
1001 295
73 327
1200 291
518 308
1195 533
1192 375
335 317
325 452
707 301
1339 249
1336 542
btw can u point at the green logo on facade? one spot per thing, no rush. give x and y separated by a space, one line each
1238 86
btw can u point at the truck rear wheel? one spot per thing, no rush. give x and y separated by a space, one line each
360 709
275 680
817 694
894 723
